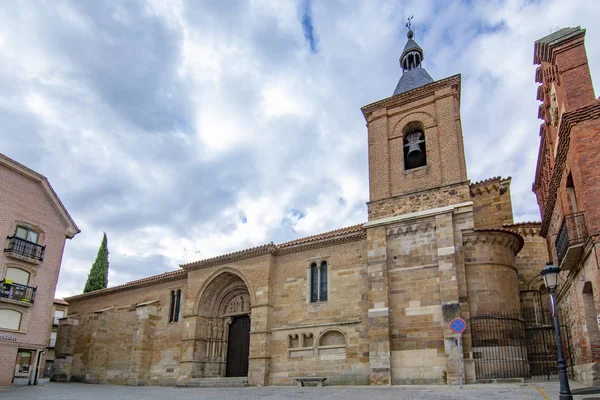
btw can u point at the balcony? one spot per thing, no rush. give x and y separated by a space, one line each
570 240
17 292
25 250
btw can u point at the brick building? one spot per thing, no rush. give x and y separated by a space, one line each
367 304
567 187
35 224
59 310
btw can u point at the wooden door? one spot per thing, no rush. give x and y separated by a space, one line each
238 349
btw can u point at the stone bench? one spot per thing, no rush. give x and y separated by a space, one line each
302 379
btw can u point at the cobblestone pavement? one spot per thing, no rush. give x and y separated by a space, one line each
82 391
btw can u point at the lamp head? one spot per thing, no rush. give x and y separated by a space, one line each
550 274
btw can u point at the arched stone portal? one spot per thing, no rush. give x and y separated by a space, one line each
223 327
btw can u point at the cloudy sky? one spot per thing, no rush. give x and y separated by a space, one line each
187 129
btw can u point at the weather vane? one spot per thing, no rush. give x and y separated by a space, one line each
408 24
410 32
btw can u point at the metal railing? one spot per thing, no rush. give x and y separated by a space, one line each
16 291
573 230
23 247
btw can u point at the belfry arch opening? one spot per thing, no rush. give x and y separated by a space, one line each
415 151
224 327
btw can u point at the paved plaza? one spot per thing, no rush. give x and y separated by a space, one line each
82 391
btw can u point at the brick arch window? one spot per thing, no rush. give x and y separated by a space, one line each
319 276
415 150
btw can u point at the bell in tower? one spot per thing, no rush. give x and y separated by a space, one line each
414 150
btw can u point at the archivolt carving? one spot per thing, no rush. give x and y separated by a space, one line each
235 302
405 229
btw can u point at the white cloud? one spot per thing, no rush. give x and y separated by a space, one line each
189 129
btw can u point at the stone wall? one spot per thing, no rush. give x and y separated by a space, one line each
492 206
419 201
345 312
425 279
492 278
121 338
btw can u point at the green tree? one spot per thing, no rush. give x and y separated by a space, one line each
98 277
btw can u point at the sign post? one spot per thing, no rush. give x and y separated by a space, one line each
458 326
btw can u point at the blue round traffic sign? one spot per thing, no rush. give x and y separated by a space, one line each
458 325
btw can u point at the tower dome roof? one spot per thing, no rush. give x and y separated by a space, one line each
413 75
411 45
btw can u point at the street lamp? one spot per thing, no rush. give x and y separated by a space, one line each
550 274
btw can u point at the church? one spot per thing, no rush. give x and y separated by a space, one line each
369 304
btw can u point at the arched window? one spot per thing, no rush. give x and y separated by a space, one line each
318 282
10 319
415 154
174 305
17 275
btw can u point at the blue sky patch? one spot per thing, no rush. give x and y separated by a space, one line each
308 28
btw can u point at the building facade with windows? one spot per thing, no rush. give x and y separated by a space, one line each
59 310
34 224
568 189
366 304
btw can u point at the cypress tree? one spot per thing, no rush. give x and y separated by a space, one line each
98 277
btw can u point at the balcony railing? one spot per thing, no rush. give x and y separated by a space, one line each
571 237
16 291
25 248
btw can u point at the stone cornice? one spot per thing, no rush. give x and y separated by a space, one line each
232 257
568 120
504 237
412 95
165 277
490 185
339 236
526 229
362 234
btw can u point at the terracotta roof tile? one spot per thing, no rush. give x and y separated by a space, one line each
60 301
159 277
322 236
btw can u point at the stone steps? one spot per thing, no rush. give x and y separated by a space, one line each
215 382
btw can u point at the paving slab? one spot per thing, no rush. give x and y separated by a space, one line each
81 391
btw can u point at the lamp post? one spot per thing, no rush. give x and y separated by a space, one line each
550 274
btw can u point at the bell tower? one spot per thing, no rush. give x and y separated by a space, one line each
419 207
416 153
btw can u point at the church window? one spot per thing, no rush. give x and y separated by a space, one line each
318 282
175 305
415 154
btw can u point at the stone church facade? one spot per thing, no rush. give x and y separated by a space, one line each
367 304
